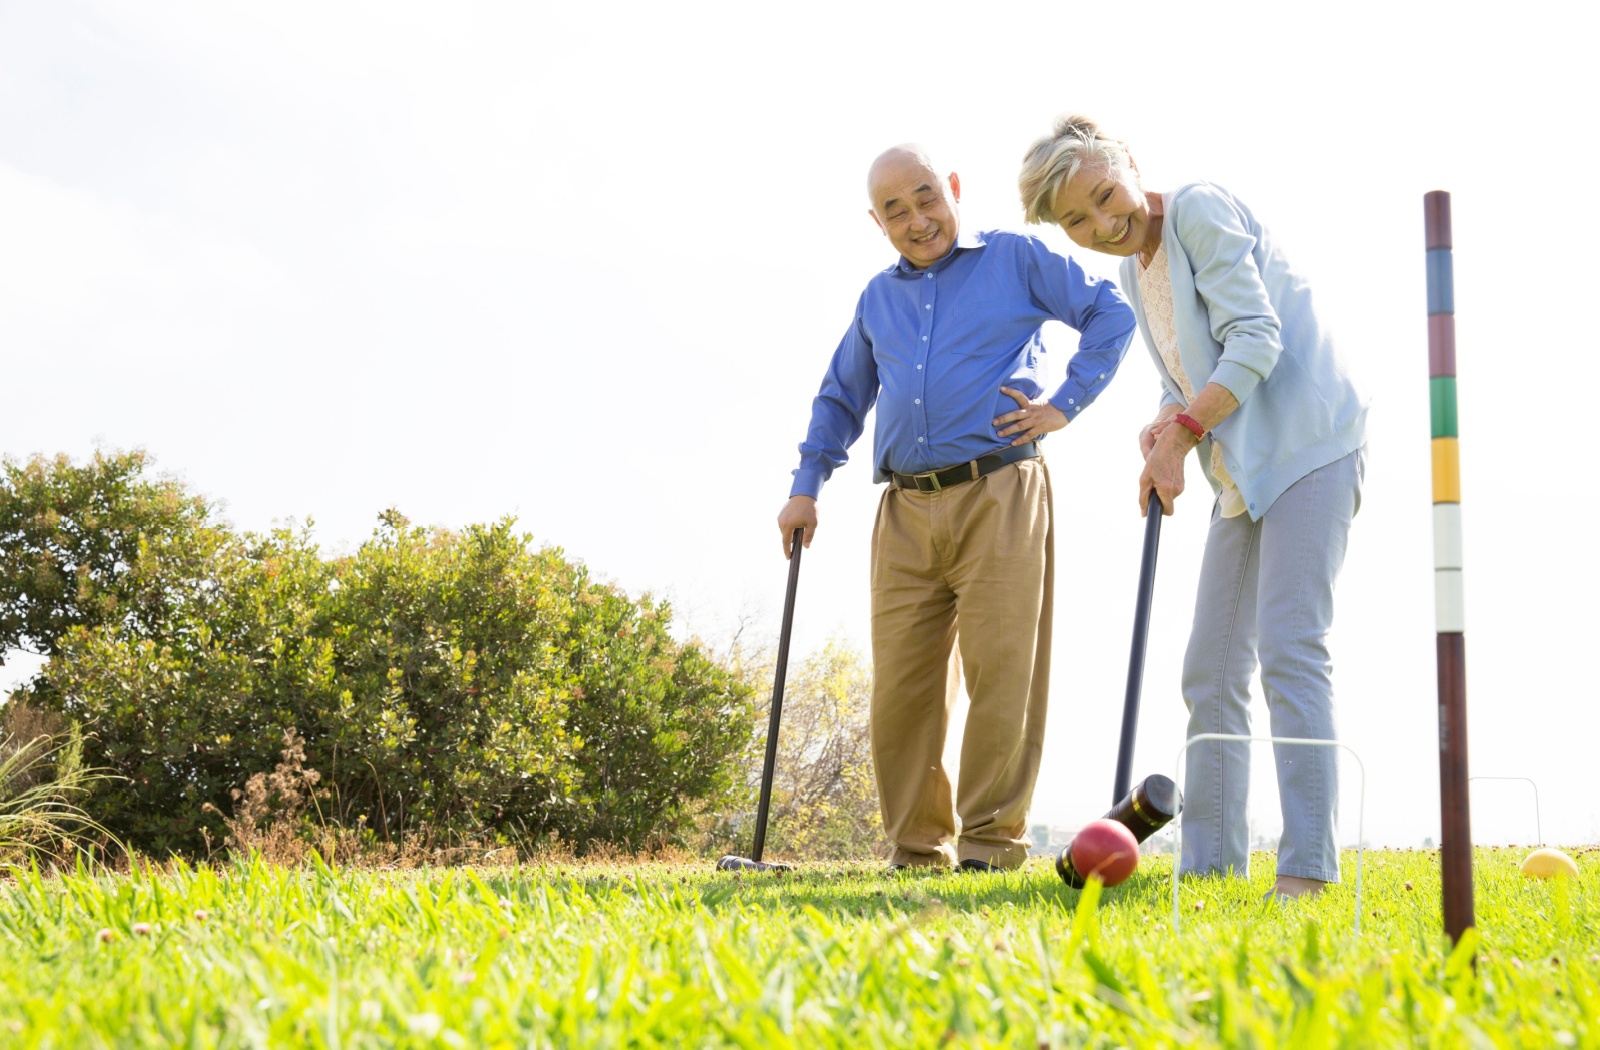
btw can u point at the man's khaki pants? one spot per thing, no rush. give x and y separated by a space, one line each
962 579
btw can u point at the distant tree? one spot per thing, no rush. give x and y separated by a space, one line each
824 797
100 544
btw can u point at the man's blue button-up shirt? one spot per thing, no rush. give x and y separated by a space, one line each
933 347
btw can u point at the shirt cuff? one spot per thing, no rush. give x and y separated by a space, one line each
1070 401
1236 379
807 482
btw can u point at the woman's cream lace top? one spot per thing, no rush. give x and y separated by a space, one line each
1155 287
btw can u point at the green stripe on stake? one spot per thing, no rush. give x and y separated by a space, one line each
1442 397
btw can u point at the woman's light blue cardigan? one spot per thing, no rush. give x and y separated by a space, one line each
1245 321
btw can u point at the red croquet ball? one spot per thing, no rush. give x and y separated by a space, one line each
1107 849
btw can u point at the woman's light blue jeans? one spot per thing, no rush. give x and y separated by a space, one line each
1266 589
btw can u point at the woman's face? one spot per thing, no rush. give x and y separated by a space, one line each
1104 209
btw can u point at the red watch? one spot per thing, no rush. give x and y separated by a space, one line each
1191 424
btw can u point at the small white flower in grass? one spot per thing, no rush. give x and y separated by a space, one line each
426 1025
200 915
141 929
104 935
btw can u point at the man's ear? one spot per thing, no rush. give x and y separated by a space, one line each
955 186
877 221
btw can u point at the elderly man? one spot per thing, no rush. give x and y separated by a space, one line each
946 342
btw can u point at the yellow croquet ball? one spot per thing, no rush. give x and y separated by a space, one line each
1549 864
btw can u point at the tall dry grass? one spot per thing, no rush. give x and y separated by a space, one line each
42 779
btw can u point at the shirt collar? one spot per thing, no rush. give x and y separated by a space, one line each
964 240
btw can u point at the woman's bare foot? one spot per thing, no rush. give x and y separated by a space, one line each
1294 886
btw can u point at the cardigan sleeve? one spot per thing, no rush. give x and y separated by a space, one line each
1220 245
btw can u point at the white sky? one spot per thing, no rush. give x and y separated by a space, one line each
587 265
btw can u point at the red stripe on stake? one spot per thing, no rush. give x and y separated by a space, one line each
1441 345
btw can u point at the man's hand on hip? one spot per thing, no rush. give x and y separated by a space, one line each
799 513
1032 420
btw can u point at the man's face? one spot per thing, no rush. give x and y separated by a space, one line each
916 209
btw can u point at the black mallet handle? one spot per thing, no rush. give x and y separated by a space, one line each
771 761
1141 635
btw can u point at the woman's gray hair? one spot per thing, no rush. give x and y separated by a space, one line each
1051 162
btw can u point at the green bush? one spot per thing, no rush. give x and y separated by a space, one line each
464 683
662 723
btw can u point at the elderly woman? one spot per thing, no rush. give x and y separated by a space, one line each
1251 380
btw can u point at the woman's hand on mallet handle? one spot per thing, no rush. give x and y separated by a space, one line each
1163 464
1032 420
799 513
1163 467
1152 430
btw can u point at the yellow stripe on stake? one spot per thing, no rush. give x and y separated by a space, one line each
1446 470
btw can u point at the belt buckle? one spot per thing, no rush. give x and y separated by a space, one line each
933 479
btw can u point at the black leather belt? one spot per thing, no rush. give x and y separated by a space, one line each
934 480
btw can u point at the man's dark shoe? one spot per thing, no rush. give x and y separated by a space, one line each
974 864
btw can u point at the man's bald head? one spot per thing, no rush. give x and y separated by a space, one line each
913 206
895 158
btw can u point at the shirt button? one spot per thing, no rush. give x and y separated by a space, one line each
924 339
1070 401
919 368
917 401
919 441
928 306
930 277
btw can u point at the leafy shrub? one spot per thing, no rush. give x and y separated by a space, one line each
662 723
446 690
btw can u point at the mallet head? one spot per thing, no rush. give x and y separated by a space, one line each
1145 810
732 863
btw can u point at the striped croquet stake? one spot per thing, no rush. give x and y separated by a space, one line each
1455 816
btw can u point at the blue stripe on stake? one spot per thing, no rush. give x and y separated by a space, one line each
1441 282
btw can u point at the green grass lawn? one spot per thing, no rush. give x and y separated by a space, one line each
833 956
